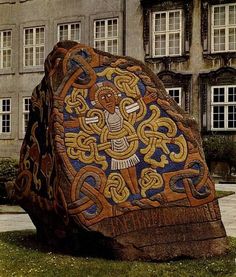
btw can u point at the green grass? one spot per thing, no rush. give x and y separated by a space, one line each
22 255
223 193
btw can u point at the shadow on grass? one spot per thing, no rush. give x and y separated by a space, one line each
22 246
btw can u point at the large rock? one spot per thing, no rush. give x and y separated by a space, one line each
111 163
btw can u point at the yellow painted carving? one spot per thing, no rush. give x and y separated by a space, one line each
124 80
149 134
150 179
75 101
116 188
83 147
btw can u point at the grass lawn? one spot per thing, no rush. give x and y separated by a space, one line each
22 255
223 193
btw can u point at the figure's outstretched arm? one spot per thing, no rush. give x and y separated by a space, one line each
151 97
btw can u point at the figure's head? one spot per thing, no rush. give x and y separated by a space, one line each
104 95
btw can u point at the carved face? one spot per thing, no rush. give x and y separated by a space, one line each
107 100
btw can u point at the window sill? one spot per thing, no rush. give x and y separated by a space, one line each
6 136
32 70
217 55
223 130
165 59
6 72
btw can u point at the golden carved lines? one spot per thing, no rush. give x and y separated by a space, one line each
150 179
75 102
154 139
125 81
116 188
83 147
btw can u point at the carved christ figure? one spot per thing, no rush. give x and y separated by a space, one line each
105 95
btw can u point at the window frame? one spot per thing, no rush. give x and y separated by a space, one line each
6 48
167 32
180 90
224 104
34 45
24 113
106 38
69 30
5 113
224 27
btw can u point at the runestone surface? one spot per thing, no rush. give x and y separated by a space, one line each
109 160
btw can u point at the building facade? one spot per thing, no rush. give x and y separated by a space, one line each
190 45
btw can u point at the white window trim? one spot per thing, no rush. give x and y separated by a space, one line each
225 27
34 47
106 38
167 34
24 113
1 50
69 30
180 94
225 105
3 113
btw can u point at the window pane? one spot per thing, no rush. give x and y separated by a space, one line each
219 40
6 39
232 15
219 16
26 109
63 32
39 59
6 105
100 45
218 117
232 94
39 36
232 116
75 32
218 95
28 36
112 46
175 94
6 56
100 29
232 39
160 45
160 22
6 123
112 28
29 56
174 44
174 21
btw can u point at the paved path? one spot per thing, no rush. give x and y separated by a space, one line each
228 208
12 222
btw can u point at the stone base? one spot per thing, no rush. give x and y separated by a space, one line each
163 233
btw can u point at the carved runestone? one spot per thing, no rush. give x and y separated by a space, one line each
110 164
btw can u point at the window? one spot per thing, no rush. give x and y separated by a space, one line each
106 35
176 94
70 31
223 108
166 36
5 115
34 46
26 110
5 49
224 28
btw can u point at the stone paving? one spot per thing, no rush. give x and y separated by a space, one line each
228 208
14 222
11 221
